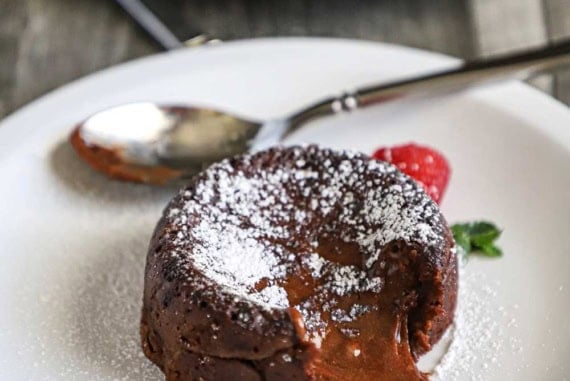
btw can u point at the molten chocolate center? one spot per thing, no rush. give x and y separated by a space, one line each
361 335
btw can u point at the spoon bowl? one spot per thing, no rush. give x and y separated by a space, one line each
147 142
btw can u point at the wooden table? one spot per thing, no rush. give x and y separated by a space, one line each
47 43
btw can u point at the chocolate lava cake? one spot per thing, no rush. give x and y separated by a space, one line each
298 263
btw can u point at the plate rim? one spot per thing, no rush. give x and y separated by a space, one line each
494 95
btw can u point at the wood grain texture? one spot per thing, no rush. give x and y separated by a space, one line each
506 25
13 19
514 25
557 14
47 43
440 25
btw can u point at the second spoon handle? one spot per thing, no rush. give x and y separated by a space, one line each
473 73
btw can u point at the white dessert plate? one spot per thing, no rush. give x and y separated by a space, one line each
74 243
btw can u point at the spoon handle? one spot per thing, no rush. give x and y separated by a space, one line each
473 73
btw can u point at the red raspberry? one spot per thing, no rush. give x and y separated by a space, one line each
424 164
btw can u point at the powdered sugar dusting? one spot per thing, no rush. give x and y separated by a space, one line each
476 337
246 224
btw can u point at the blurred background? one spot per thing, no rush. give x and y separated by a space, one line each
47 43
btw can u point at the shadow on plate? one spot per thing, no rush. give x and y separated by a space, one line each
77 176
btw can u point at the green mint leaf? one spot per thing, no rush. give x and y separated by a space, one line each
477 236
490 251
483 233
461 237
460 228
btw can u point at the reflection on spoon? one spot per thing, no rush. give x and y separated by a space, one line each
144 142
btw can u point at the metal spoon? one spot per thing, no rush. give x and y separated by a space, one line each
150 143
